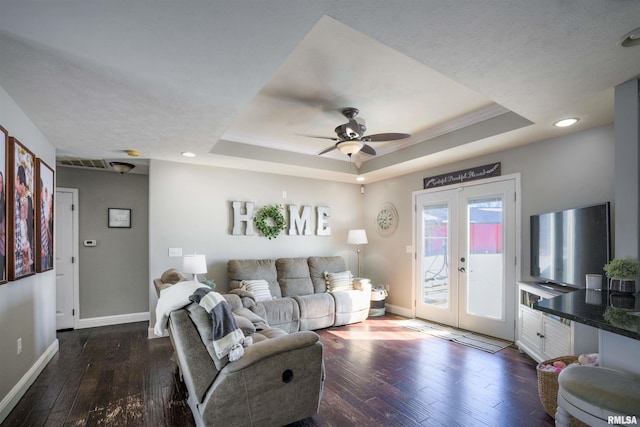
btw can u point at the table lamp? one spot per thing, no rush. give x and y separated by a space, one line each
194 264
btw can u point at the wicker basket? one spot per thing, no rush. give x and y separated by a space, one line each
548 387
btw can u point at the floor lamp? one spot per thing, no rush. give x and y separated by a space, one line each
357 237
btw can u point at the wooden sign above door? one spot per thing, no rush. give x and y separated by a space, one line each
458 177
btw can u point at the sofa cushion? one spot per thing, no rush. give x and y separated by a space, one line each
342 281
258 288
245 325
293 277
283 313
317 311
318 265
251 269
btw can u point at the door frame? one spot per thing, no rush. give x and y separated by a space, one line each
75 216
518 227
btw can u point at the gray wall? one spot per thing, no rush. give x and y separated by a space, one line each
564 172
191 209
27 306
113 274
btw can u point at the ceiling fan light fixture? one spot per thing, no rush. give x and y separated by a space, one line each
121 167
350 147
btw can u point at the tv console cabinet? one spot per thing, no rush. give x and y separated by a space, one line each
545 336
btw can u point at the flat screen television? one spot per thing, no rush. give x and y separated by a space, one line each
567 245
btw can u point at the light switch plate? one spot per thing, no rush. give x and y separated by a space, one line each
175 252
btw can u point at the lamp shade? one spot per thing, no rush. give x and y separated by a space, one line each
194 264
357 237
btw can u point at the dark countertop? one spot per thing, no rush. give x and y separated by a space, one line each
613 312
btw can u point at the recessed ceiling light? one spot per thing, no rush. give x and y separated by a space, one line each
188 154
360 178
566 122
632 38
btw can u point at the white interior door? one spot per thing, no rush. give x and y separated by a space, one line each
466 257
64 255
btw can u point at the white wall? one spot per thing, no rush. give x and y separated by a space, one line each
27 306
190 208
564 172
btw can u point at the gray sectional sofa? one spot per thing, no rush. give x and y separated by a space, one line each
280 377
300 298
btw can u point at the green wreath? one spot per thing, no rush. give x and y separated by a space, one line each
270 221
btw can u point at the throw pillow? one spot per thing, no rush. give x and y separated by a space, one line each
172 276
341 281
258 288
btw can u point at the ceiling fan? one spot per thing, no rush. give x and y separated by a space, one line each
351 139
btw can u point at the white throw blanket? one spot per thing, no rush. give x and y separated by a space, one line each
173 298
227 338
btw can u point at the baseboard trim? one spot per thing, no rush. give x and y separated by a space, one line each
118 319
400 311
13 397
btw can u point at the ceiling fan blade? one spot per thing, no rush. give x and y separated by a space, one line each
326 150
333 138
385 137
367 149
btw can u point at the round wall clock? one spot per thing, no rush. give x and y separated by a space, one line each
386 219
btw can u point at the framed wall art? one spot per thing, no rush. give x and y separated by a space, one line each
21 211
4 143
44 216
119 218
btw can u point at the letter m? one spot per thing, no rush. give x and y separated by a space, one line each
299 223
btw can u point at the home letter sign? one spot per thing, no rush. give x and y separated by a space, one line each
299 224
239 218
323 229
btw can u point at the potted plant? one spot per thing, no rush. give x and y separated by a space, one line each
622 274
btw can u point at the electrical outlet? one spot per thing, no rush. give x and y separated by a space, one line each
387 287
19 345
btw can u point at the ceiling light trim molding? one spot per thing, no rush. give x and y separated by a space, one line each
475 117
263 154
498 125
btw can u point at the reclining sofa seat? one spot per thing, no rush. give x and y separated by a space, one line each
299 291
279 370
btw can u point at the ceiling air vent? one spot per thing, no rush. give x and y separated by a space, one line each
83 163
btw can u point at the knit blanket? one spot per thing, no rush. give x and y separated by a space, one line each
227 338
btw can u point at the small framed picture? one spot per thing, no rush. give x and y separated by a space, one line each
119 218
44 216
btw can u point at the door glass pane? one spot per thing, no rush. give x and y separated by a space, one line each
485 278
435 264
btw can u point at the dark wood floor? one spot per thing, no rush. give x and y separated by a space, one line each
378 374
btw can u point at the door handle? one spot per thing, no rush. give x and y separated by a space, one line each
462 270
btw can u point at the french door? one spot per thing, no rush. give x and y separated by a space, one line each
466 257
